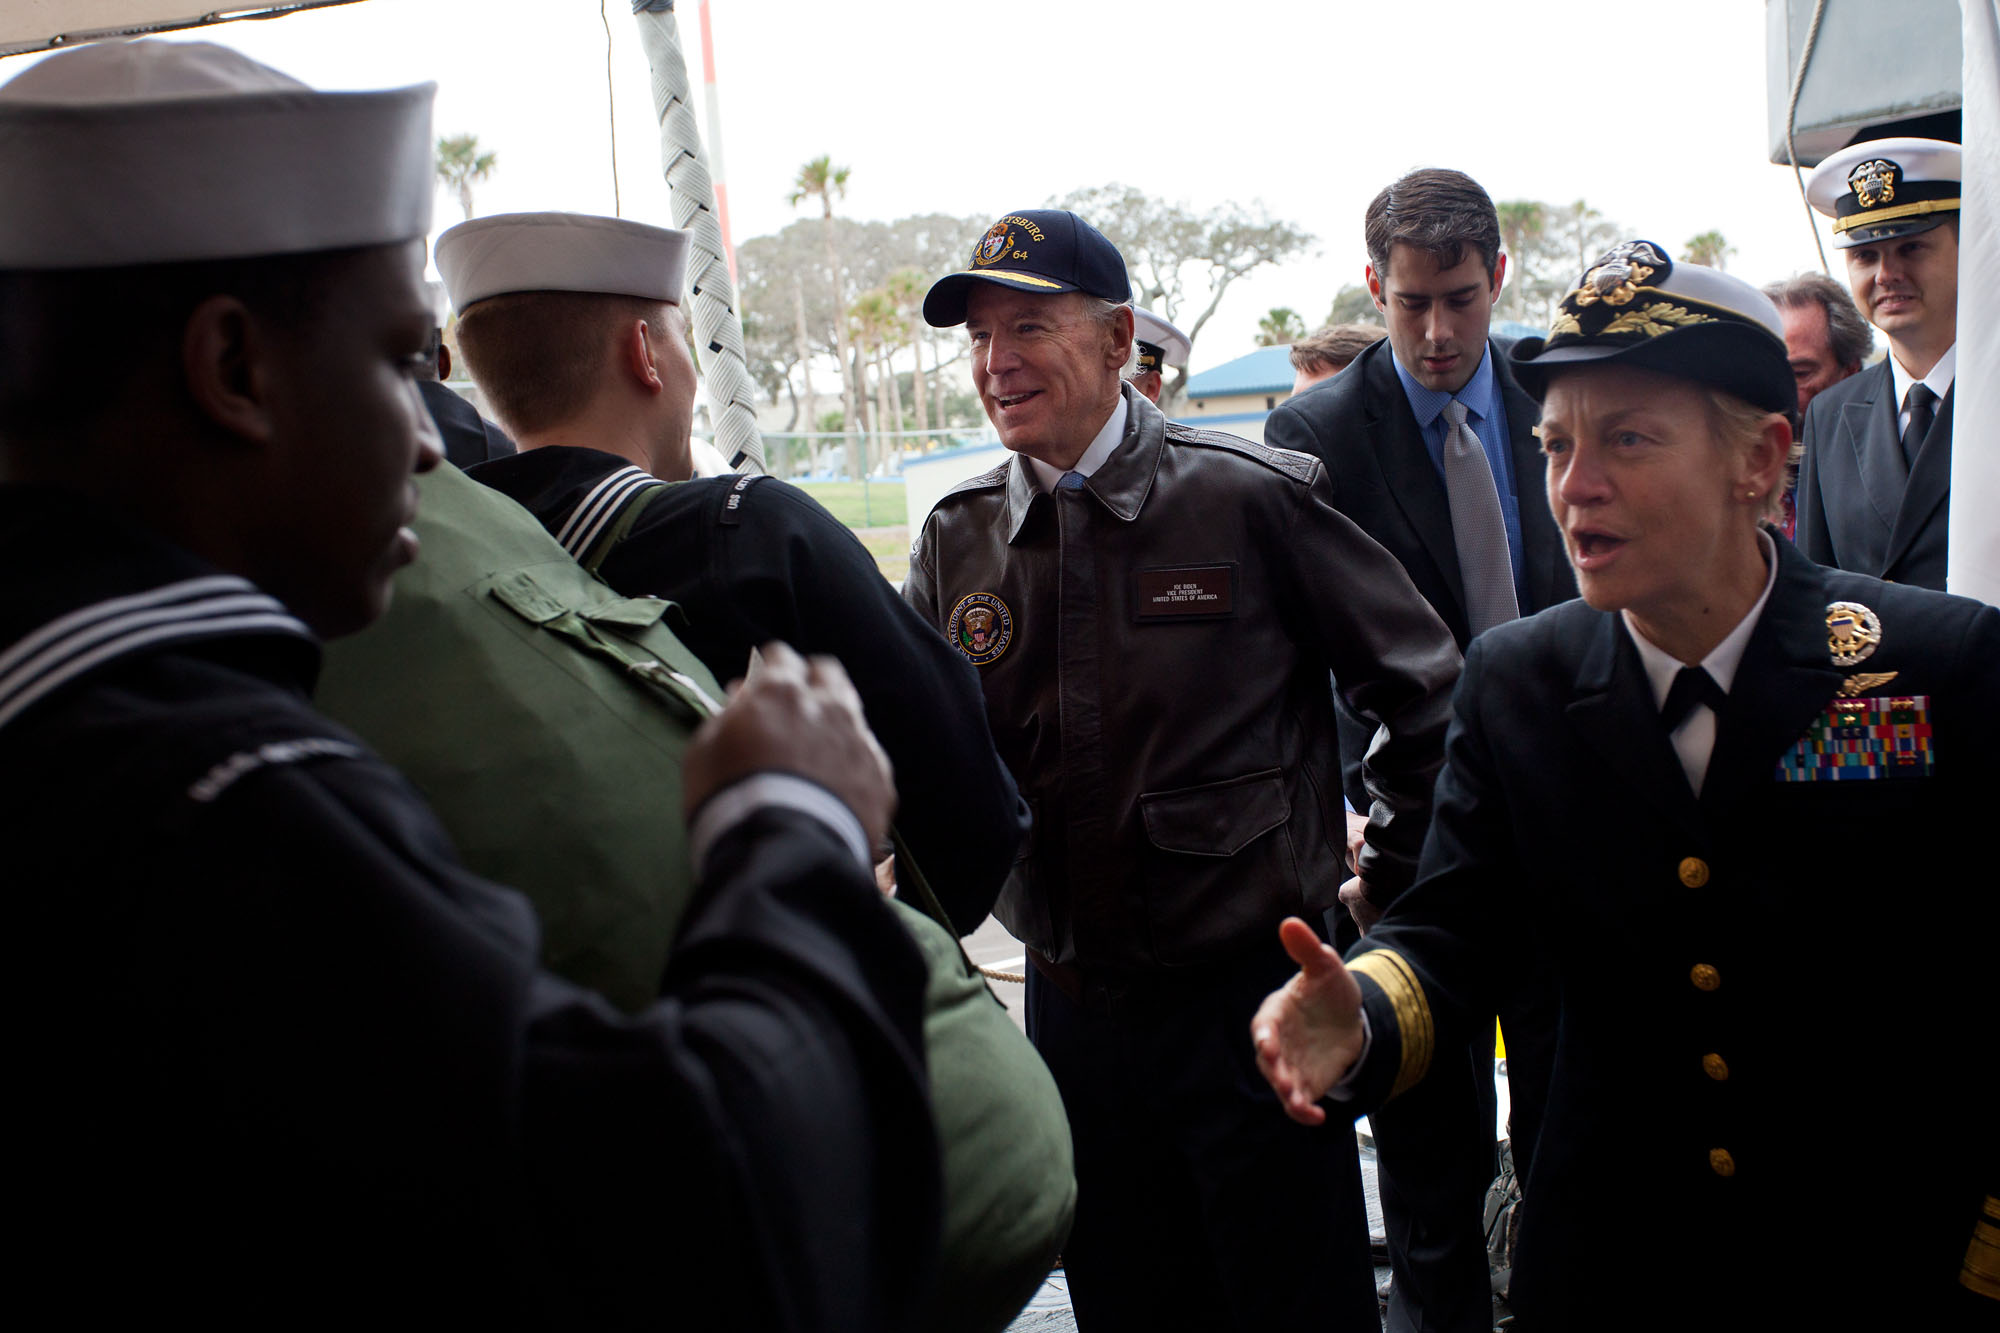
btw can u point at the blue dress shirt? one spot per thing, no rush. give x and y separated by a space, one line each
1487 416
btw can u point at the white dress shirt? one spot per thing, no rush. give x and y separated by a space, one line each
1100 448
1694 738
1938 381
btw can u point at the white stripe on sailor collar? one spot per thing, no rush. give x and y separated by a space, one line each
587 519
90 636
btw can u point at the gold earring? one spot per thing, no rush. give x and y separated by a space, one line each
1749 495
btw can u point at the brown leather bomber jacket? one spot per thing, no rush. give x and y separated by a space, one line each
1154 648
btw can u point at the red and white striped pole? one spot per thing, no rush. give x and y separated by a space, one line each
714 109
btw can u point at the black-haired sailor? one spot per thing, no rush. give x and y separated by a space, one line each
1690 790
281 1057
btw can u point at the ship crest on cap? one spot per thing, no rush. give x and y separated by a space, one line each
992 247
1874 182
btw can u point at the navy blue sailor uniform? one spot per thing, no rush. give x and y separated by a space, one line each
282 1059
750 559
1761 984
1154 644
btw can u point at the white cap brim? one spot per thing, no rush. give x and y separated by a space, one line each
561 252
1148 327
166 152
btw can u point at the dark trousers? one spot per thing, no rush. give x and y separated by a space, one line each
1434 1155
1199 1204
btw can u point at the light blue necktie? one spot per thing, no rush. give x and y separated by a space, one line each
1070 481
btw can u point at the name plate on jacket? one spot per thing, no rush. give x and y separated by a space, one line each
1184 592
1859 740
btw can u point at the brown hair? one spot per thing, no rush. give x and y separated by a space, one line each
540 356
1435 210
1848 336
1326 350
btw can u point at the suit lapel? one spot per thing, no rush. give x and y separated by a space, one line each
1785 678
1544 564
1929 483
1406 468
1614 714
1868 429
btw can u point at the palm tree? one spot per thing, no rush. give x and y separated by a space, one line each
877 326
821 179
1524 224
1709 249
460 166
906 288
1280 327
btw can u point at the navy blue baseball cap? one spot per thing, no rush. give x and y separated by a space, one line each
1036 250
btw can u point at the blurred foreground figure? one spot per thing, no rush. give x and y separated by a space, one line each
291 1062
1629 784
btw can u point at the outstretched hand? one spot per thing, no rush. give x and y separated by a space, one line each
1307 1034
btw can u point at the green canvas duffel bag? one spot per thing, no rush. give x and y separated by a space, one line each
545 717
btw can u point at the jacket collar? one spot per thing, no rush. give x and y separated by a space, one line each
1785 677
120 594
1121 485
573 491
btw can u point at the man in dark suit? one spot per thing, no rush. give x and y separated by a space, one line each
1481 556
1632 778
1875 482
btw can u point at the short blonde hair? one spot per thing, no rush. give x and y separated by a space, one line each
540 357
1737 424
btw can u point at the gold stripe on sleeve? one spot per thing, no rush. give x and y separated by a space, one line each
1388 969
1981 1273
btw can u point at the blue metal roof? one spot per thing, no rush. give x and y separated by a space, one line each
1266 370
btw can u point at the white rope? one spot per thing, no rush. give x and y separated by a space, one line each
718 326
1791 119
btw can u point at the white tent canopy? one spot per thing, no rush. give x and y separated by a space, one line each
36 25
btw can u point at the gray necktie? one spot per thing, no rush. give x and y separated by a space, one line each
1477 526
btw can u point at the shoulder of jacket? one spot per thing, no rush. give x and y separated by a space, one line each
994 478
1300 467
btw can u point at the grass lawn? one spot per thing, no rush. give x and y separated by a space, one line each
858 504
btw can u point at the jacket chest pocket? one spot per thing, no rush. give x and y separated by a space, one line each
1222 866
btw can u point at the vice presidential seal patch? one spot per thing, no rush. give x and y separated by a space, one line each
981 627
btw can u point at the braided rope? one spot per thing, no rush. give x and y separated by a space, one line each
1018 978
718 327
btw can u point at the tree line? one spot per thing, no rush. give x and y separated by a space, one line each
832 306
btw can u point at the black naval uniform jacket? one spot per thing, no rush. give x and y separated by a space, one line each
748 560
1861 507
1155 673
279 1060
1773 1089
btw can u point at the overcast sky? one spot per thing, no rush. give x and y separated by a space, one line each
1654 113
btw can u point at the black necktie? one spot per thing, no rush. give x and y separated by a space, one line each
1923 409
1693 685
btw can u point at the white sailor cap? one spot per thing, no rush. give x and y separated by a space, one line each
1880 189
1160 343
162 152
561 252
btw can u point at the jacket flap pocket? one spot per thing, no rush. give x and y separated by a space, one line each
1217 818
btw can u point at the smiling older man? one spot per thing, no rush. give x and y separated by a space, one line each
1153 611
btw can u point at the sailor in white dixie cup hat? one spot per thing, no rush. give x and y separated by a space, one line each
1158 345
284 1050
571 324
1875 481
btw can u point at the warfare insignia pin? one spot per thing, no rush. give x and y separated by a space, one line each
981 627
1861 681
993 246
1874 182
1852 633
